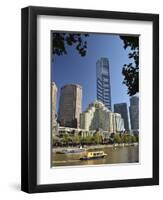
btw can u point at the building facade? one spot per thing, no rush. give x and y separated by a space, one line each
53 100
70 105
103 82
112 123
99 117
119 123
54 124
95 117
134 112
121 108
75 131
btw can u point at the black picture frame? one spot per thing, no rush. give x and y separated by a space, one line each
29 99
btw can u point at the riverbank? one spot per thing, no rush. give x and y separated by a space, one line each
115 155
100 146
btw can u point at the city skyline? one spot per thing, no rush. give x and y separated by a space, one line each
82 70
129 114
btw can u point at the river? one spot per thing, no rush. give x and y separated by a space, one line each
128 154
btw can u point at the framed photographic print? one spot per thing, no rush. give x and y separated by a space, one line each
90 99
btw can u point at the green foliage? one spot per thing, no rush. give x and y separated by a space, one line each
66 139
131 71
87 139
97 138
125 138
76 139
117 139
61 40
134 139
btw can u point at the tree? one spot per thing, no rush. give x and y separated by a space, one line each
137 137
125 138
76 139
117 138
97 138
89 139
66 138
131 71
130 137
61 40
83 140
134 139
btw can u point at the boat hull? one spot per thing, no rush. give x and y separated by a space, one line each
92 158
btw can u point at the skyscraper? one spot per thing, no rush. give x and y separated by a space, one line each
70 105
53 99
121 108
134 112
103 82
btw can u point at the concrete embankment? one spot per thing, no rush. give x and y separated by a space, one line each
89 147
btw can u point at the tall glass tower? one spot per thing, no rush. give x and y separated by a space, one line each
103 82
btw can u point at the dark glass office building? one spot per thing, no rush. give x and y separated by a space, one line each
134 112
103 82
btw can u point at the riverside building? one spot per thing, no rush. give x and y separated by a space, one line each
98 117
53 99
103 82
134 113
70 106
121 108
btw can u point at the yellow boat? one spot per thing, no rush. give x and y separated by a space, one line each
93 155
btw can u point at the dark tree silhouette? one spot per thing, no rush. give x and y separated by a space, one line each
131 71
61 40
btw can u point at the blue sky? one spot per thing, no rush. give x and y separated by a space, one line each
74 69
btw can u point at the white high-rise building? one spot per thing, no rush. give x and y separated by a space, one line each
119 122
53 100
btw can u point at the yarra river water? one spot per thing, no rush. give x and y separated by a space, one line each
129 154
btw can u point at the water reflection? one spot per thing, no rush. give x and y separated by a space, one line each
114 155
